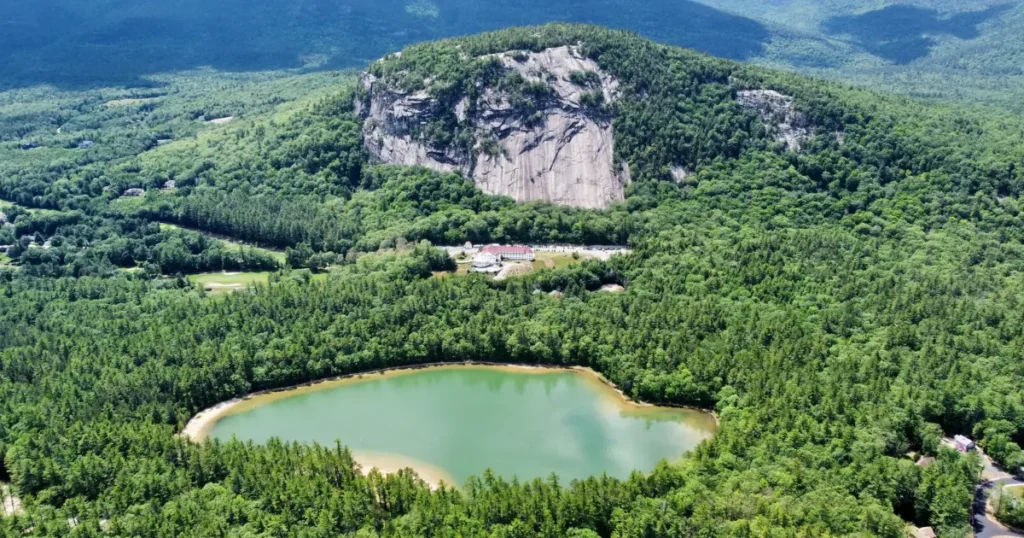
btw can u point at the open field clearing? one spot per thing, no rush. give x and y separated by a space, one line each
231 243
227 282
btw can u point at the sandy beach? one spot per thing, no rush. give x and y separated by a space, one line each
392 463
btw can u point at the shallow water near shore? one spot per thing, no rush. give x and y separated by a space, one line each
451 422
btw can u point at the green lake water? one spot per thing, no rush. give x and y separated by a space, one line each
464 420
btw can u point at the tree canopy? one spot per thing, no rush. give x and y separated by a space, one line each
841 308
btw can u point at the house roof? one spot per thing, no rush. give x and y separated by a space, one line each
485 256
923 532
507 249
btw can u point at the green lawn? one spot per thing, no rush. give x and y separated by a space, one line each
1016 491
4 260
225 282
231 243
544 260
5 204
555 260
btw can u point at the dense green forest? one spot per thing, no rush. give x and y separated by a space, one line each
841 307
950 49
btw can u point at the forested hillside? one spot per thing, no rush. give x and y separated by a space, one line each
842 304
950 49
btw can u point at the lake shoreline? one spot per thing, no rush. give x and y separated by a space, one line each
199 426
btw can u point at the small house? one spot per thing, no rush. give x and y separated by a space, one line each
922 532
134 192
466 249
86 144
963 444
170 184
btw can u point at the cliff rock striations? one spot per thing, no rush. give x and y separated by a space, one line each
539 128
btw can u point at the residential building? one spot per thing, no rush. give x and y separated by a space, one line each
963 444
922 532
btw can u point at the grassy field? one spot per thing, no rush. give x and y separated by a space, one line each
555 260
226 282
544 260
4 260
1016 491
5 204
276 254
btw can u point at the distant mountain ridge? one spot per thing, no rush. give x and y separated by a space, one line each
967 50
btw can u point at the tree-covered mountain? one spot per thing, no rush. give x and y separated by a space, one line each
967 50
842 303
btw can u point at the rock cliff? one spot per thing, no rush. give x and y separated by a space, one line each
557 148
777 112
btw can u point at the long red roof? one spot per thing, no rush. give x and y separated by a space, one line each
506 249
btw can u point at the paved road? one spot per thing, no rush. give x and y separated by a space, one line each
984 525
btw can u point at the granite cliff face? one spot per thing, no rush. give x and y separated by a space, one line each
562 152
779 115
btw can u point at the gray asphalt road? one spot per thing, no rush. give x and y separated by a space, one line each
984 525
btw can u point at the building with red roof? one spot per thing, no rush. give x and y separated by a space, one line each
510 252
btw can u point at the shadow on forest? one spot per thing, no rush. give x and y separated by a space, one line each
902 34
76 45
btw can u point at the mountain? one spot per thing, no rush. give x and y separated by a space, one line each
535 125
536 128
940 49
837 273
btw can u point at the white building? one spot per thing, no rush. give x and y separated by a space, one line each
485 262
510 252
963 444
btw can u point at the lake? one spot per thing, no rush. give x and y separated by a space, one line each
451 422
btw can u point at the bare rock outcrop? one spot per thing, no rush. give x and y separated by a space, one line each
778 113
563 153
389 129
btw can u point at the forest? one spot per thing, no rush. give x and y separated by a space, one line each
841 308
964 50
